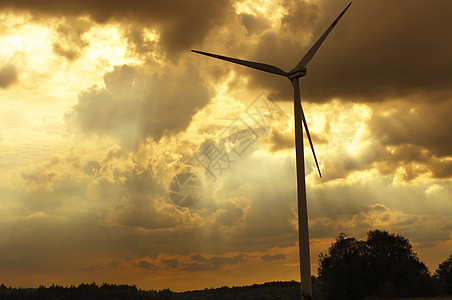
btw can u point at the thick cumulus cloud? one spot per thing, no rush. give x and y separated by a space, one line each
139 203
405 139
426 230
133 106
414 135
181 23
418 124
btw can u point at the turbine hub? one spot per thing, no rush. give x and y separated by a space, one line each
297 73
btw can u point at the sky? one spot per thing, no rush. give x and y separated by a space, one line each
107 121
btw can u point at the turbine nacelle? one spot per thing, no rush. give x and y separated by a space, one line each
297 73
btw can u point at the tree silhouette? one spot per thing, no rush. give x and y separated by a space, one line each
444 273
384 265
395 266
344 271
270 290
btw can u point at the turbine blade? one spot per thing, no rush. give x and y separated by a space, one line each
310 54
310 140
251 64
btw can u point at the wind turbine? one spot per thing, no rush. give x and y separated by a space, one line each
293 76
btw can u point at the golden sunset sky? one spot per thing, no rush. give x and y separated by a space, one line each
103 104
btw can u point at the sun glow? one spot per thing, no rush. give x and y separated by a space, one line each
107 45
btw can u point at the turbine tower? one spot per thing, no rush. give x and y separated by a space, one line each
293 76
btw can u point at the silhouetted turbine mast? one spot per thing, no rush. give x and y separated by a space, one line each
293 76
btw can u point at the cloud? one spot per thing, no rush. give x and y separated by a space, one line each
69 41
92 168
253 24
376 52
43 242
202 263
94 268
382 41
8 75
229 215
173 263
133 106
181 24
142 44
299 15
282 141
394 127
404 138
148 266
44 174
39 178
423 229
138 204
273 257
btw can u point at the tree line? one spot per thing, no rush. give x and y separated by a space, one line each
282 290
382 266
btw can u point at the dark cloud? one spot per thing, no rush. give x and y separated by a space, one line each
172 262
148 266
379 50
271 48
273 257
253 24
299 15
8 75
441 169
134 106
70 42
281 142
423 124
202 263
181 23
91 168
113 264
322 228
94 268
425 230
141 45
413 135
